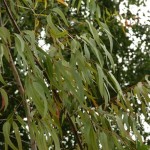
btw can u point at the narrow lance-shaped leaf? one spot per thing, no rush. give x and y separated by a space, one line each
5 35
40 92
106 29
1 55
4 98
56 140
104 141
116 84
137 134
109 56
17 135
1 79
60 13
6 132
86 51
20 45
92 45
94 33
51 24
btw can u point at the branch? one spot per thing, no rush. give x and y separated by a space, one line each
17 78
75 131
11 17
59 99
71 123
125 90
16 75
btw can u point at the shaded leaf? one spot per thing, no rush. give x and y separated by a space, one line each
4 99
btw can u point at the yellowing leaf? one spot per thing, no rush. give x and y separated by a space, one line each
62 2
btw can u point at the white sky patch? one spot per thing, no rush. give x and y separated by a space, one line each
142 12
146 125
42 43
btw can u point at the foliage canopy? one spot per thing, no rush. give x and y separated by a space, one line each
69 94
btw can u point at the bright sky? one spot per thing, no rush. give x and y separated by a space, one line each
143 13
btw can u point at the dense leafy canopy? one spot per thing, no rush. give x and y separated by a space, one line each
63 82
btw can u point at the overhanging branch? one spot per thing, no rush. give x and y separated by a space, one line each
17 77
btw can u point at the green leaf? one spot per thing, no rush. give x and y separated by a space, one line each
5 51
2 80
1 55
29 57
5 35
106 29
51 24
34 96
94 33
20 46
6 132
142 146
86 51
109 56
115 140
116 84
60 13
5 98
79 5
121 127
92 7
100 79
74 45
98 12
94 49
56 140
104 141
80 89
21 121
137 134
53 29
30 36
17 135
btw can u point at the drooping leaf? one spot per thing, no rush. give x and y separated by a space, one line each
5 35
17 135
6 132
4 99
1 79
60 13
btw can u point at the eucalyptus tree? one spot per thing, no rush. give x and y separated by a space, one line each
59 95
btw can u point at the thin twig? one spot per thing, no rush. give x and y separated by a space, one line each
16 75
75 131
70 120
11 17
